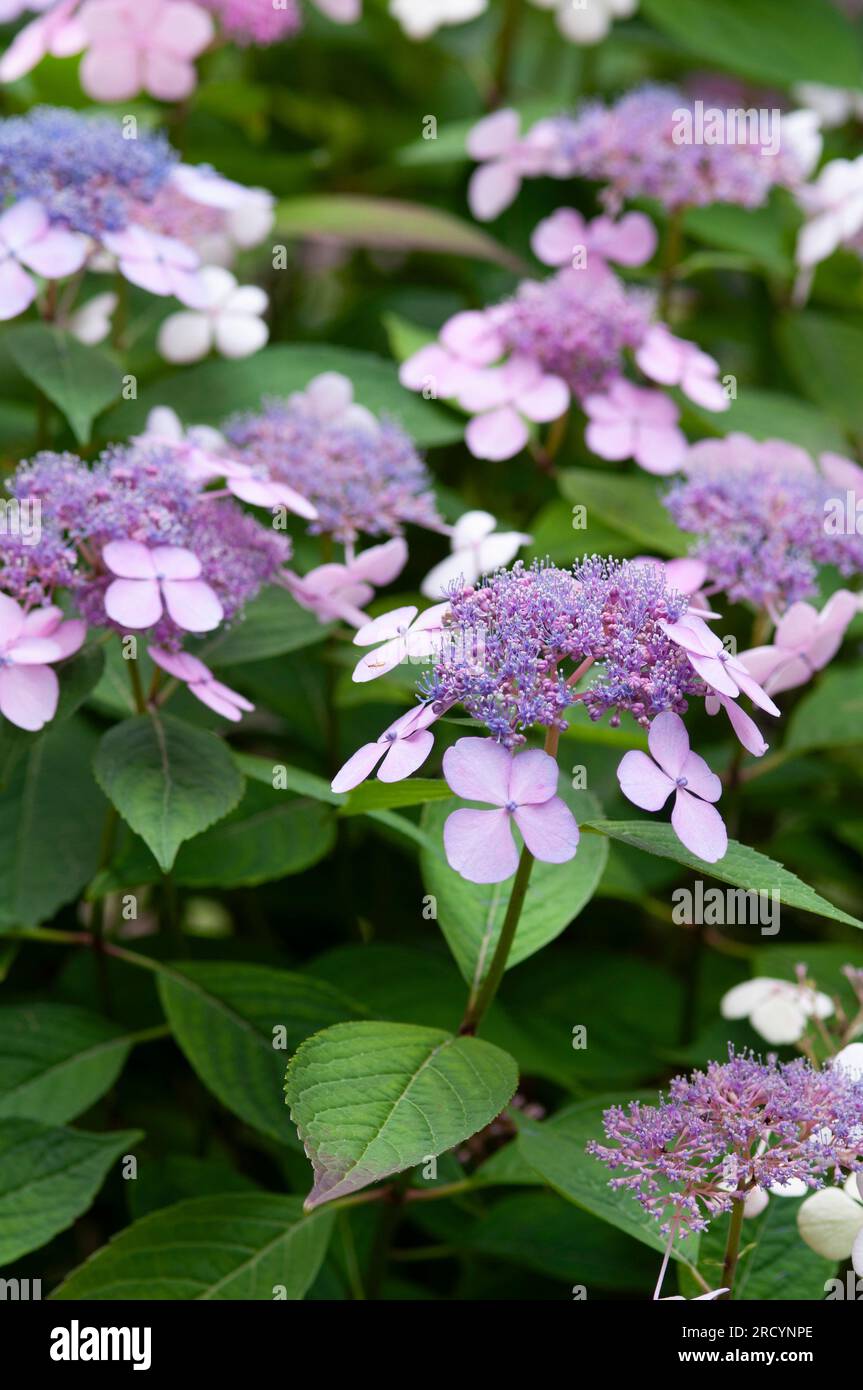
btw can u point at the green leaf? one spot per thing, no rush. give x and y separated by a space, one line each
205 395
742 866
774 1262
345 219
294 779
755 38
758 234
371 1099
80 380
48 1178
540 1231
628 503
47 854
227 1019
471 914
830 715
271 625
824 354
268 836
56 1060
556 1150
234 1246
383 796
168 780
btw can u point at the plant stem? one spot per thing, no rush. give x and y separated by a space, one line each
732 1249
670 257
137 687
505 48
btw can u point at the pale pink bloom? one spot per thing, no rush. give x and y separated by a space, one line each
804 642
249 213
336 591
91 323
673 361
506 157
202 683
629 241
632 422
842 472
468 342
403 637
160 264
226 317
28 239
522 787
152 579
501 399
329 399
833 206
404 747
747 731
58 33
778 1010
649 781
29 644
142 45
723 673
476 550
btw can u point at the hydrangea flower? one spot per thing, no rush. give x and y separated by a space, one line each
250 22
833 207
831 1222
334 591
477 549
523 788
723 673
587 23
400 750
329 400
359 478
403 636
422 18
631 422
503 398
91 323
673 767
161 265
28 242
779 1010
202 683
142 45
673 361
226 316
803 643
30 643
739 1125
57 31
147 579
631 240
505 157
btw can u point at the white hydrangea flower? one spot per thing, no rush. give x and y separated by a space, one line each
587 21
475 552
229 321
777 1009
422 18
91 323
831 1222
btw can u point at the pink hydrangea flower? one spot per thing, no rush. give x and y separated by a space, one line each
403 637
629 241
804 642
747 731
502 399
29 644
724 673
336 591
202 683
27 239
160 264
142 45
672 767
403 747
150 580
674 362
687 576
58 32
631 422
506 157
329 399
521 787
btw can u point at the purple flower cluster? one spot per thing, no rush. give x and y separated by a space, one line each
81 169
741 1124
361 477
576 325
758 512
134 493
256 21
504 643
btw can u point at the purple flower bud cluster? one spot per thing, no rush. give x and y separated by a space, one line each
576 325
256 22
505 642
361 477
740 1124
138 493
83 170
638 149
758 512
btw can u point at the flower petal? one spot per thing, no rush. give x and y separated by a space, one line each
533 777
357 768
699 827
133 603
192 604
479 769
28 695
669 742
549 830
405 755
479 845
642 782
